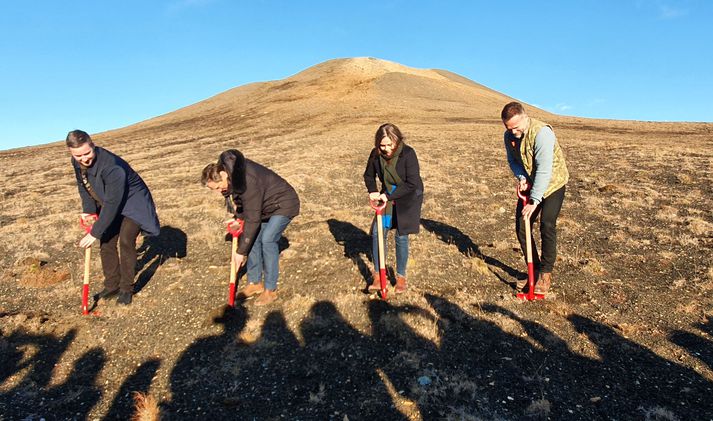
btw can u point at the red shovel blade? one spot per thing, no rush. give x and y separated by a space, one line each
382 279
530 295
231 295
527 296
85 299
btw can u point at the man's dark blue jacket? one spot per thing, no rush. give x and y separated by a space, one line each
121 191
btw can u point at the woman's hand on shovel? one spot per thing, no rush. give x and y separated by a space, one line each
378 198
239 260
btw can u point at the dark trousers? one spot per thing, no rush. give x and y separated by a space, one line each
549 210
119 266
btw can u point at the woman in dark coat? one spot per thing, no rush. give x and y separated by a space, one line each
266 203
396 166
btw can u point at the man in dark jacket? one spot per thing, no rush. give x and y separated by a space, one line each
109 187
396 166
266 203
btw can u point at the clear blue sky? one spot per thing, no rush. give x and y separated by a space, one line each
100 65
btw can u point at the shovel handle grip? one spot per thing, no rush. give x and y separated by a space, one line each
235 231
84 221
522 194
378 206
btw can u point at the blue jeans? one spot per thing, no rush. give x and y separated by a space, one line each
401 249
265 253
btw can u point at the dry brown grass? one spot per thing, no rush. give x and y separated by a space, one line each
658 413
539 409
688 308
630 329
145 408
699 226
707 284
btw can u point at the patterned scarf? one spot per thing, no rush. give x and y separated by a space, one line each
85 182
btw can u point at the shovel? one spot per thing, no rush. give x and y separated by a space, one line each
234 228
379 208
530 295
86 224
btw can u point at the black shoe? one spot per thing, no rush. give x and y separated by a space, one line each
105 294
124 298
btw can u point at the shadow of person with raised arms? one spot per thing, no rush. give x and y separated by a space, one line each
452 235
155 251
356 242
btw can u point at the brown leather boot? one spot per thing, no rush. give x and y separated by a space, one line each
544 283
400 284
251 289
375 282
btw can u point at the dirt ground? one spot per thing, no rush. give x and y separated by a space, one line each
626 333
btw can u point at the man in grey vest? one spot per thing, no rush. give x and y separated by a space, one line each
538 163
109 187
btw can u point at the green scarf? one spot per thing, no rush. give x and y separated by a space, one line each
391 179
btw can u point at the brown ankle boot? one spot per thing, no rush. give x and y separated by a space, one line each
544 283
400 284
251 289
375 282
266 297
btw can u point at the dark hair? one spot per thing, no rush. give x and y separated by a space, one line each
211 172
510 110
77 138
388 130
233 163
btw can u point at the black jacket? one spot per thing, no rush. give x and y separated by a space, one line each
258 193
121 191
408 196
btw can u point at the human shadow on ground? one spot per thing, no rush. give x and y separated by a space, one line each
122 407
452 235
155 251
623 380
356 243
697 345
434 362
33 396
203 380
327 375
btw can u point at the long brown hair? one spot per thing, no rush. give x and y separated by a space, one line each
388 130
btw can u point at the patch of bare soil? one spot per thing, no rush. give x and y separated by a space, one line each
36 273
627 332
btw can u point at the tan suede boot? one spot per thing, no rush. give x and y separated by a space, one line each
251 289
375 282
544 283
400 284
266 297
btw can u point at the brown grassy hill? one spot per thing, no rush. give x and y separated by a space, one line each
626 333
